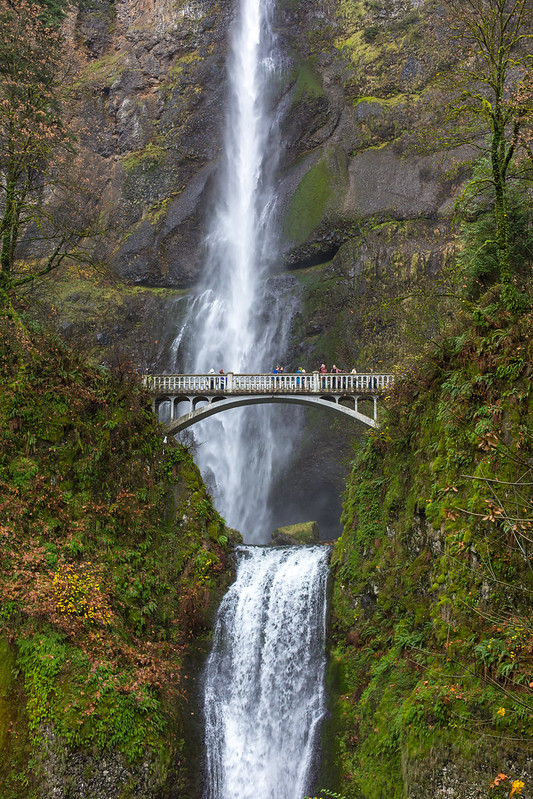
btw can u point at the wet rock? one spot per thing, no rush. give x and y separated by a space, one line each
80 774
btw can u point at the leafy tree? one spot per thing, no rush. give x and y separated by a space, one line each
491 107
44 208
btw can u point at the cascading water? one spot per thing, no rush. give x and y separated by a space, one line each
234 321
265 694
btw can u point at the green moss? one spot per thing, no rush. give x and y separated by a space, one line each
352 12
308 203
359 50
175 73
308 83
105 69
314 196
145 160
303 533
383 102
157 213
16 779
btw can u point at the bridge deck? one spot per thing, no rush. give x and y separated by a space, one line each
246 384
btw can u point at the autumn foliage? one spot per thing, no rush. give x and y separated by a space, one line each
46 206
107 537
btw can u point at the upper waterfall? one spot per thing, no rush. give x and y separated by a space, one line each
265 694
235 321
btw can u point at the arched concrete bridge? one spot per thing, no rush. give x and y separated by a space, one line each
205 395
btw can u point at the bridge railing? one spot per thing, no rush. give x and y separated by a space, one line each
230 383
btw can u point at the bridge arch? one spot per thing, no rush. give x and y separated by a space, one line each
225 403
208 394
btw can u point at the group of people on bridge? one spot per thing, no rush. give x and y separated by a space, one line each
323 370
335 379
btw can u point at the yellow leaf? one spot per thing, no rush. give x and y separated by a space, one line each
517 786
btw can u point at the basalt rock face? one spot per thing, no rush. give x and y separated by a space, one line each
148 116
148 121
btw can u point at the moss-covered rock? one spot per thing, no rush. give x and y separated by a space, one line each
113 321
303 533
432 595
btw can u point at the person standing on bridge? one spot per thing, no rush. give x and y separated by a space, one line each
300 380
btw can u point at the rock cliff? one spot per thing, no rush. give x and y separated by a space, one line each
355 86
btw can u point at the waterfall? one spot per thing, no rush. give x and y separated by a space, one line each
235 320
264 693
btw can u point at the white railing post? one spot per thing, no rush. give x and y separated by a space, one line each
229 382
316 381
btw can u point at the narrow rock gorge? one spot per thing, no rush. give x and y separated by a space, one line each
393 173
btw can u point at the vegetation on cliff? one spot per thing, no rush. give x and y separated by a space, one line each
110 555
433 640
433 632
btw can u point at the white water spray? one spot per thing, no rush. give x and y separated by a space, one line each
234 321
265 694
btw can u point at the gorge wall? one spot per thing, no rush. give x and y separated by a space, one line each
431 641
354 192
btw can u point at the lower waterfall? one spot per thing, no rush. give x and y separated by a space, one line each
264 686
